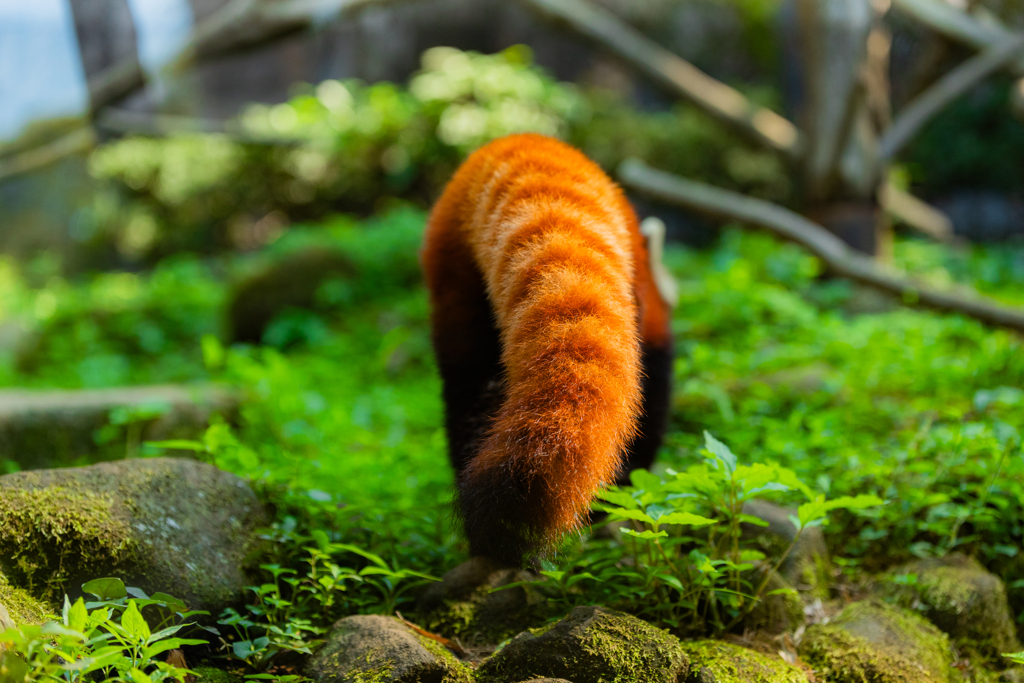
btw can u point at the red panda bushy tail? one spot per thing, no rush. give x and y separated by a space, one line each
554 242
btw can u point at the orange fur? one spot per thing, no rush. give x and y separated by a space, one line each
533 242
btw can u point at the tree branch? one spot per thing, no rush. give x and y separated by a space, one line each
959 26
717 99
243 24
941 93
917 214
79 140
823 244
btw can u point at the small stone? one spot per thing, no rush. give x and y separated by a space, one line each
714 661
963 599
807 566
873 641
591 645
61 528
382 650
547 680
464 604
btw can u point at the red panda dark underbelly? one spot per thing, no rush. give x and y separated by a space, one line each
552 341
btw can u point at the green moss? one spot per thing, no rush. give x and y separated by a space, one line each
871 642
592 644
378 669
728 663
454 670
164 524
959 596
474 618
50 534
21 607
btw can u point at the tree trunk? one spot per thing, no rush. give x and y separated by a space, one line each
845 106
107 44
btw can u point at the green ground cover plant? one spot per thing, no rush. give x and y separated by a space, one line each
341 428
107 637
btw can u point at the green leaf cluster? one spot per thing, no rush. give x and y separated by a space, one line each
108 637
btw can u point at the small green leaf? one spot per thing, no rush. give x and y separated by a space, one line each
645 535
750 519
633 514
134 623
106 589
77 616
620 498
686 519
721 452
138 676
171 602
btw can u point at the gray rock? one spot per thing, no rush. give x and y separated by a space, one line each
963 599
873 641
591 645
807 566
51 428
547 680
163 525
462 604
382 650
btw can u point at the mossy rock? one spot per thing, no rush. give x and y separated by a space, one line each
714 661
170 525
807 566
465 605
1011 571
18 607
377 649
591 645
963 599
872 642
290 283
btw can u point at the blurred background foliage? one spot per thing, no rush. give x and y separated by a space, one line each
347 146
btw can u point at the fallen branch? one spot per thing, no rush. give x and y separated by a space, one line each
244 24
717 99
840 259
941 93
126 122
75 142
915 213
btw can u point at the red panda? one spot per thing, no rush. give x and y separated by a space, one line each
552 341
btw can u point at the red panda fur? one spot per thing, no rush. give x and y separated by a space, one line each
533 258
